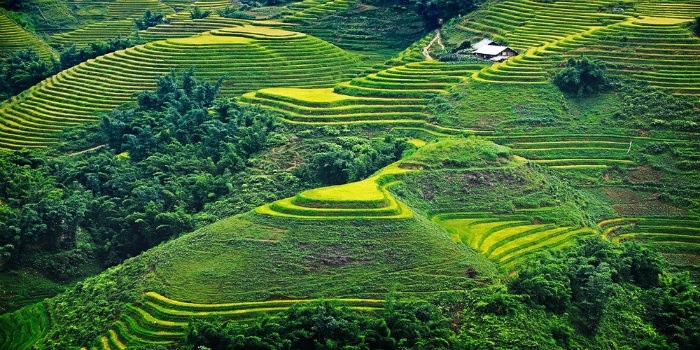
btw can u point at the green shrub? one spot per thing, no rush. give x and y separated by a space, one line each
198 13
148 20
582 77
230 12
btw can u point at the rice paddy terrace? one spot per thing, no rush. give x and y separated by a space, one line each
633 42
677 238
158 320
307 81
14 38
396 95
256 56
507 240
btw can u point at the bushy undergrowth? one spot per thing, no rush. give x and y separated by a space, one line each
649 108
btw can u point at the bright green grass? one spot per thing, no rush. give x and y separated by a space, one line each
508 242
19 330
363 199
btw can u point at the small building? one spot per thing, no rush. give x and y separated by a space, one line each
495 53
483 43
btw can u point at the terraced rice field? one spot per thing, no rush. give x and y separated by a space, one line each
677 238
14 38
655 50
572 151
394 95
368 198
162 321
95 32
253 56
685 9
658 51
311 10
181 26
120 22
34 321
527 23
507 240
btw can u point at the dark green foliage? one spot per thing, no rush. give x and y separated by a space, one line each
198 13
35 213
582 77
436 11
231 12
696 26
148 20
649 108
589 281
675 310
351 158
22 70
402 325
13 4
165 160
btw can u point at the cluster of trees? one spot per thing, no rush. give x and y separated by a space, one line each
596 294
433 11
349 158
13 4
165 159
22 70
598 283
232 12
149 19
403 325
582 77
696 26
198 13
25 68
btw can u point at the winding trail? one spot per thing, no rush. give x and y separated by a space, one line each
426 50
86 150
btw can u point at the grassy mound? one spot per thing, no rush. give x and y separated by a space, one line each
365 199
255 56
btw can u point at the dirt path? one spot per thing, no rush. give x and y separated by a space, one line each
426 50
85 150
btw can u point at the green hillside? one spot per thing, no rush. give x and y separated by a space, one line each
349 174
284 58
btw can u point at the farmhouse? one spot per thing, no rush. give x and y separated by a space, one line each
489 50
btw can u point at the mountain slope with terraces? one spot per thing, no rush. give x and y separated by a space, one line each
497 171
